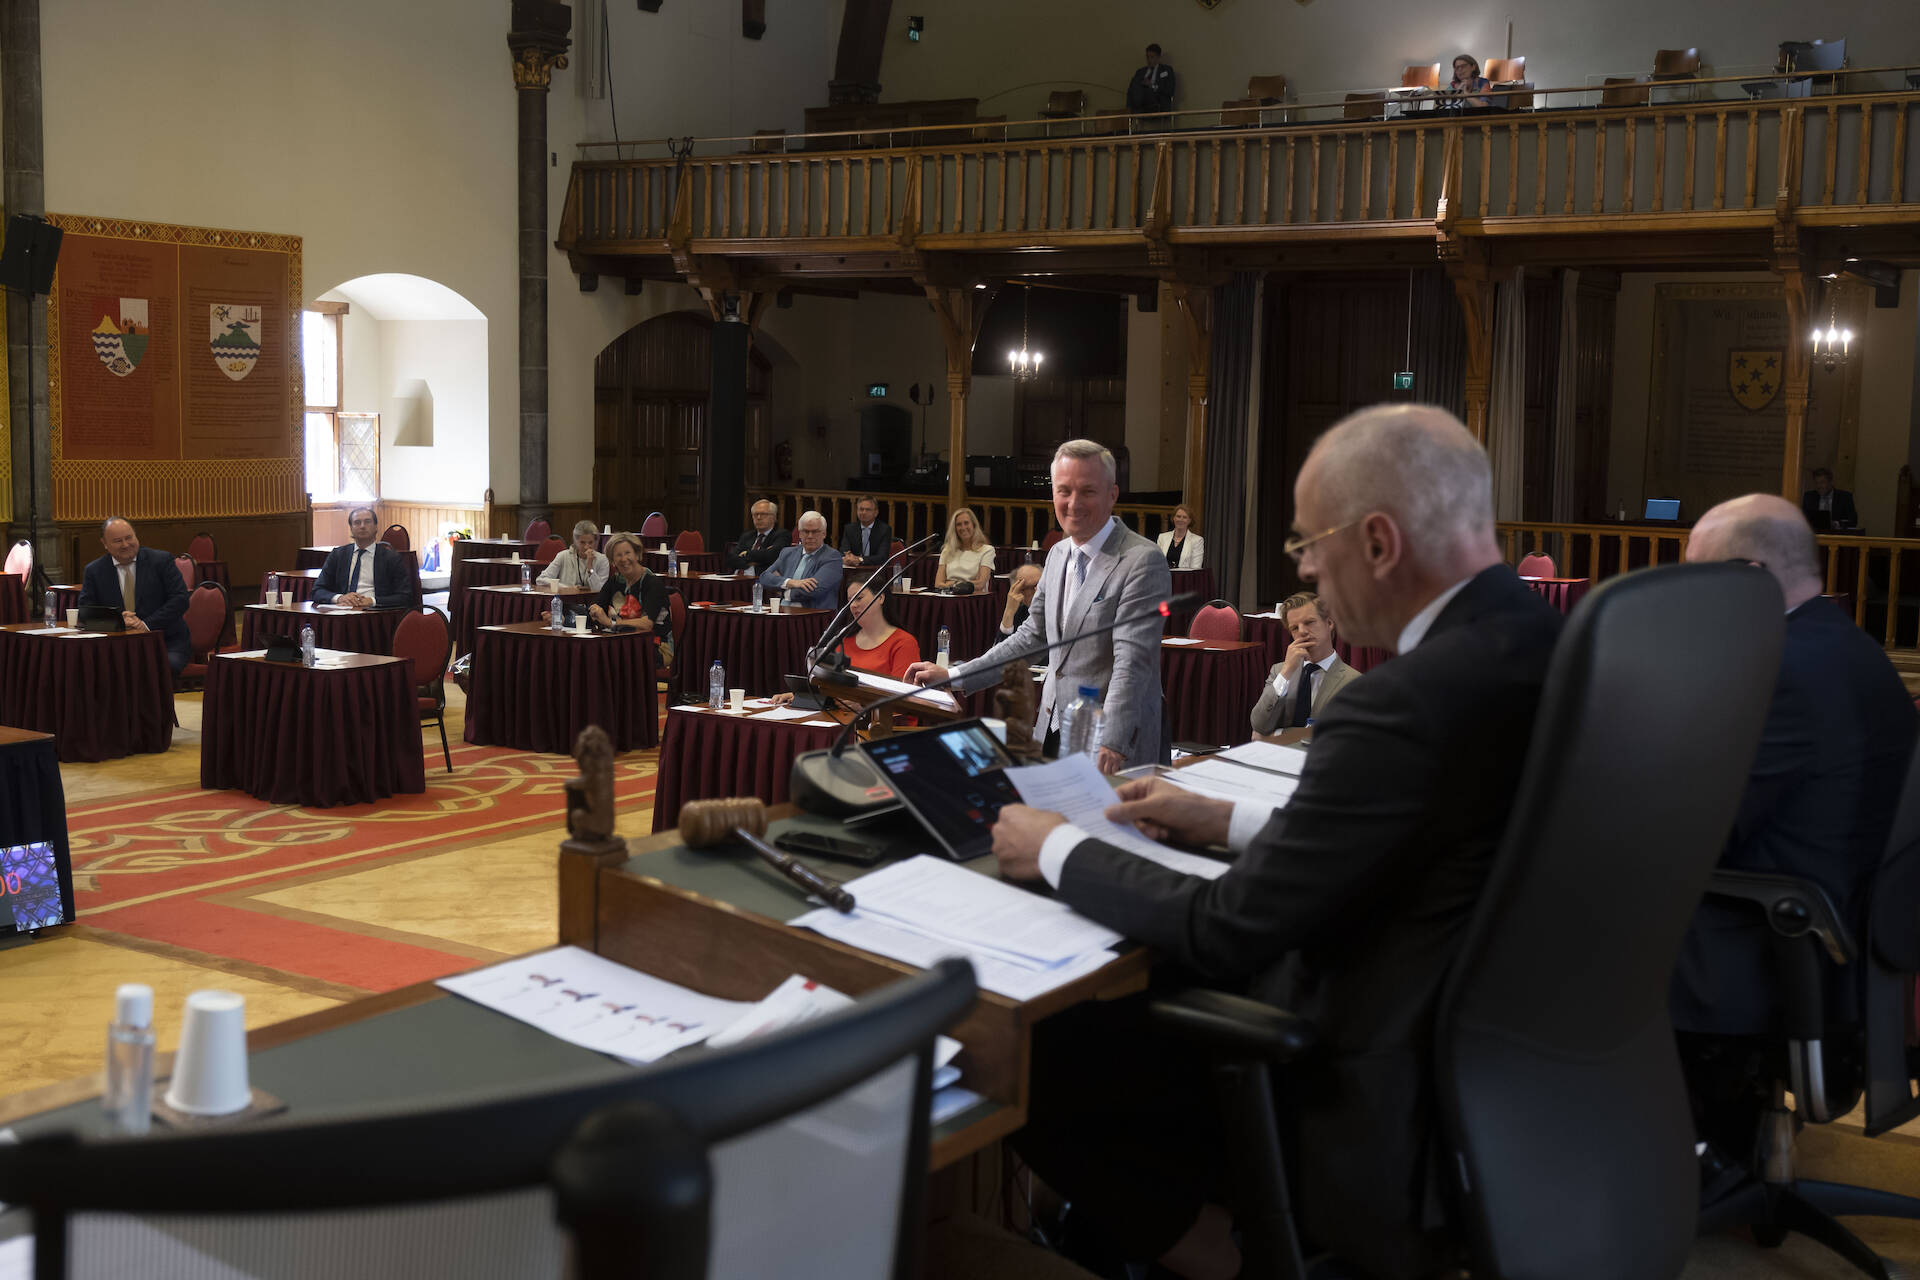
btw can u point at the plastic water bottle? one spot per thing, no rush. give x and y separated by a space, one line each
557 615
273 588
759 597
1084 722
526 576
53 608
128 1097
945 646
673 564
306 645
716 686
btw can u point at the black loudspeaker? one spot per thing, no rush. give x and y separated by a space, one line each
886 441
29 255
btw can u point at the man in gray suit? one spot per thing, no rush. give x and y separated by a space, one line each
1281 704
1099 571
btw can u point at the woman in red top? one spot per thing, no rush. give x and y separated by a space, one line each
875 644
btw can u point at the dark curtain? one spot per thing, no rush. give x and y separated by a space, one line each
1439 344
1229 387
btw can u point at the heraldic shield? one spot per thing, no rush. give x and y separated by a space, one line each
120 339
1754 377
233 334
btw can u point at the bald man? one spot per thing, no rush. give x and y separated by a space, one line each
144 583
1820 798
1346 907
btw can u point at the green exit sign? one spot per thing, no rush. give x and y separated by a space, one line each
878 390
1403 381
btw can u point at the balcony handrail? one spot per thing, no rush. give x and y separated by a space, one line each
964 130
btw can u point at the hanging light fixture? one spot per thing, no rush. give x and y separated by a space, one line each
1024 364
1832 346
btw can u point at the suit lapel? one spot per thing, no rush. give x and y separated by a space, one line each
1105 561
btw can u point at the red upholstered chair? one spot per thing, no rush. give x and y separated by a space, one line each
677 610
424 636
1216 620
1046 543
689 540
201 548
897 547
397 538
537 532
1537 566
654 526
552 547
20 561
207 613
189 571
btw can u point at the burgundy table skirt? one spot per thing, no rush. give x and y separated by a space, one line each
1211 689
758 650
690 561
13 600
67 596
496 606
1561 593
320 736
920 570
299 582
350 631
1268 632
101 698
974 622
535 690
479 573
1200 583
707 755
695 588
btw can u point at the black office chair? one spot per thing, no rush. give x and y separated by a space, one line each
807 1146
1833 1057
1564 1126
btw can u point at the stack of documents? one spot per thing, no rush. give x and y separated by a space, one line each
1256 771
1074 787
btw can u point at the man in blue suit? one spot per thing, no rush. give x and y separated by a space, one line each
808 573
144 583
364 573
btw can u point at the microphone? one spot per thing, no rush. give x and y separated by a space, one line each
837 783
829 638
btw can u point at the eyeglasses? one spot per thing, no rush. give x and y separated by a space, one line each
1296 546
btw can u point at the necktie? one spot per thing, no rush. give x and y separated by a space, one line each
866 540
353 583
126 586
1303 705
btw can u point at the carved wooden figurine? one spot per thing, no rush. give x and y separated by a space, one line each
590 796
1013 703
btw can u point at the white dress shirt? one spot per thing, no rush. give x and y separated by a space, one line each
360 572
1281 684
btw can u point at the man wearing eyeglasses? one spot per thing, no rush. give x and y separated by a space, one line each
1346 907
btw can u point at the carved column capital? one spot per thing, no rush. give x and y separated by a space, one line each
534 68
538 40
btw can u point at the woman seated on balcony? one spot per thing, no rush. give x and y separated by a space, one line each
633 596
1183 548
1469 84
965 556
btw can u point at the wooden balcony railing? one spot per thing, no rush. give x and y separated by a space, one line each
1009 522
1865 573
1718 164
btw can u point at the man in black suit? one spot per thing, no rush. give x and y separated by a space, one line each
1348 905
760 546
1151 88
364 573
144 583
1827 507
1820 799
868 540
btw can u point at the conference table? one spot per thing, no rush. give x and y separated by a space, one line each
343 731
534 689
1562 593
757 650
973 622
707 755
101 695
298 583
690 561
13 600
491 606
482 571
712 588
334 626
33 804
1210 688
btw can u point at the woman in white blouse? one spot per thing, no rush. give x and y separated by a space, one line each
1183 548
965 557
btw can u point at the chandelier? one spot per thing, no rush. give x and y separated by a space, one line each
1024 364
1832 345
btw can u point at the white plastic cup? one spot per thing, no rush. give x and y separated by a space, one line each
516 557
773 604
580 624
738 699
286 597
73 619
663 548
607 530
906 585
210 1070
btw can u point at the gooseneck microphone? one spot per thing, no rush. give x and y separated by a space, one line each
844 621
839 783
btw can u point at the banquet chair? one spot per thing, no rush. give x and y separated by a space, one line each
397 537
654 526
1364 106
1537 565
425 636
689 540
552 547
201 549
537 532
1215 620
1053 536
1426 75
1563 1124
189 570
208 610
1625 91
899 545
668 675
1063 104
20 561
800 1151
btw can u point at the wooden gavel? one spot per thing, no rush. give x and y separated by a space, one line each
705 823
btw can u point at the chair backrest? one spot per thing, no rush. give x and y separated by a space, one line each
654 526
1625 91
1053 536
1240 113
206 618
1537 565
689 540
1066 102
677 611
189 570
398 538
1557 1079
424 636
1675 64
1890 958
1822 55
538 531
1424 76
1216 620
1364 106
989 129
1505 70
202 548
898 546
810 1143
552 547
20 561
1270 90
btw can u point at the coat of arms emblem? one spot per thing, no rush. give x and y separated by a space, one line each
120 339
234 337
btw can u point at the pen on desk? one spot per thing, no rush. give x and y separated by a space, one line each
704 823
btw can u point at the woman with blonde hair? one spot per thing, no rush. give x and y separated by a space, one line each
1183 548
966 556
633 596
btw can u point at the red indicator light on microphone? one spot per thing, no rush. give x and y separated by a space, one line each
1165 610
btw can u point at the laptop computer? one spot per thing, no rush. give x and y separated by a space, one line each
101 617
953 779
1663 509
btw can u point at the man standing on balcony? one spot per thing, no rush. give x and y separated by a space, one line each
1151 88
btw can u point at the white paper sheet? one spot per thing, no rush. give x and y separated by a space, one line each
1180 640
1268 755
867 680
937 898
871 933
786 713
44 631
800 999
1075 788
590 1001
1228 781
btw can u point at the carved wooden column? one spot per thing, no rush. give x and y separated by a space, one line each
959 309
1473 286
1195 301
1796 286
539 42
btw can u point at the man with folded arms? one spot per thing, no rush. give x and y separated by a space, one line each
1346 907
364 573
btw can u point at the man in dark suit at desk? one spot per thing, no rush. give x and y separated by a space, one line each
1151 88
760 546
144 583
1346 907
1827 507
364 573
868 540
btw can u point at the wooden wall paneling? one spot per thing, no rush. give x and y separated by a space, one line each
251 545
